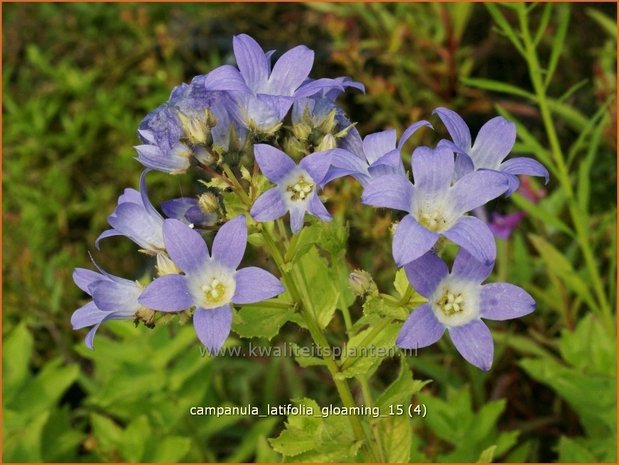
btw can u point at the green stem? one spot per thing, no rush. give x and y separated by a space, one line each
300 294
376 330
369 401
579 220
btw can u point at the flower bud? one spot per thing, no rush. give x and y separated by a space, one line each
294 147
301 131
328 142
195 129
327 125
165 265
361 282
208 202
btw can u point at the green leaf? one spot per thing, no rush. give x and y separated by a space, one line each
244 451
505 27
15 360
563 20
171 449
46 388
107 433
401 283
541 213
133 439
487 455
260 320
402 389
608 24
572 451
365 351
323 292
497 86
561 267
396 438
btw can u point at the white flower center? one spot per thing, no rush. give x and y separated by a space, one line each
456 302
432 220
213 286
297 187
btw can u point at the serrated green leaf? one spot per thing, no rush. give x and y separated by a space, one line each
315 271
365 352
396 438
402 389
260 320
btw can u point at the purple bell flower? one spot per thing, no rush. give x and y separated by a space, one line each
211 282
493 143
136 218
264 93
457 302
381 155
113 298
296 189
435 207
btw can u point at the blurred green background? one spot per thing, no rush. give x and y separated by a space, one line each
77 79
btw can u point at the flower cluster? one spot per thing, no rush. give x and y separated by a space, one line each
275 137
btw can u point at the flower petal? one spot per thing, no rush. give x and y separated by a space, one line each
433 169
421 329
226 78
470 268
173 162
346 163
168 293
87 315
317 164
457 128
426 273
84 278
213 326
389 191
389 163
475 237
273 163
474 342
526 166
377 144
137 224
411 240
90 337
409 131
477 188
297 215
316 208
255 285
185 246
493 143
269 206
104 234
230 243
251 60
504 301
112 296
289 72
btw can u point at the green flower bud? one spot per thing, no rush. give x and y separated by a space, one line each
208 202
165 265
361 282
195 130
294 147
301 131
328 142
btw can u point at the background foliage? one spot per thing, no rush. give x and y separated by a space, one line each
77 79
